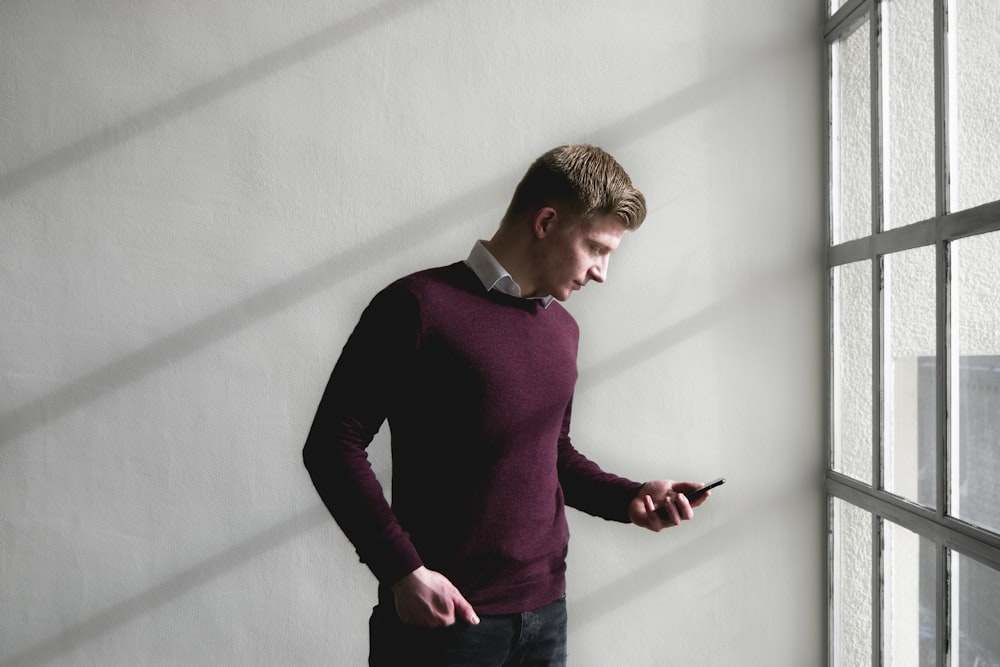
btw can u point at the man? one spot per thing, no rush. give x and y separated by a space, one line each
474 367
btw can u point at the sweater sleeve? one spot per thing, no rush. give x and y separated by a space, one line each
587 487
353 407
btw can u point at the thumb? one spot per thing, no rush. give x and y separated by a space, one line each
464 611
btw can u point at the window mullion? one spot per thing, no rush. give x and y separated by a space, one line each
943 401
942 320
943 615
982 219
941 109
977 543
878 322
878 587
843 18
874 14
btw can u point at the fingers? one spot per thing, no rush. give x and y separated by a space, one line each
691 488
464 610
675 509
697 502
684 507
669 509
660 505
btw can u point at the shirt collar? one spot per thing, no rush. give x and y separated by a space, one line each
493 276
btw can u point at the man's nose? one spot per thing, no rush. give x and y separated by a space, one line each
599 271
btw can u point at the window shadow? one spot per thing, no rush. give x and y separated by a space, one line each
254 308
755 294
258 306
171 588
203 95
674 563
741 529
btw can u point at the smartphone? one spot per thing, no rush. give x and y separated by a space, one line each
662 511
710 485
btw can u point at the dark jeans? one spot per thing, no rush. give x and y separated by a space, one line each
535 638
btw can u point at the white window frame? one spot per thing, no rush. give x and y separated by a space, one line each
935 524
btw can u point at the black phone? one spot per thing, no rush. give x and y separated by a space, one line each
698 493
694 495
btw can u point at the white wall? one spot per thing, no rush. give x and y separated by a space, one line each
196 201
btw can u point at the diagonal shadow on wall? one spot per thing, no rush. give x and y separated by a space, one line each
756 291
673 563
203 95
741 529
283 295
254 308
171 588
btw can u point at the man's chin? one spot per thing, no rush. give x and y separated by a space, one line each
563 296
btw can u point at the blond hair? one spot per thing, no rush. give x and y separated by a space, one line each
580 180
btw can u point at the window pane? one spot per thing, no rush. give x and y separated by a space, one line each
852 363
911 382
852 593
852 199
976 454
975 614
908 111
910 599
975 174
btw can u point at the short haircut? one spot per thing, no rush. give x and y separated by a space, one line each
582 181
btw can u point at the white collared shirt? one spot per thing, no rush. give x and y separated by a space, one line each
493 276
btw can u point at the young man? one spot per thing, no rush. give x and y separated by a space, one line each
474 367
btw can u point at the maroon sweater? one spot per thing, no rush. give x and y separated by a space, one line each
477 388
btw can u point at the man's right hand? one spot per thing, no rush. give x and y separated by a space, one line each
427 598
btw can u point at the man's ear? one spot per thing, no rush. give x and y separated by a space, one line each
543 220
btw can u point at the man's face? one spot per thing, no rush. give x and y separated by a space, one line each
570 256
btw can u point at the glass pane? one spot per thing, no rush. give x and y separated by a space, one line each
910 377
852 375
975 613
908 103
852 194
834 5
976 454
910 599
975 173
852 587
